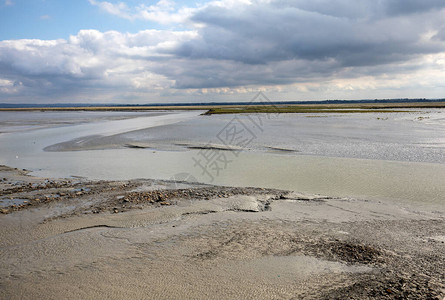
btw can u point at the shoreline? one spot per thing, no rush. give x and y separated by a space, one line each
266 108
154 238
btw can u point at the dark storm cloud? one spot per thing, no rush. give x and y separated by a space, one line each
272 32
400 7
352 33
363 9
210 73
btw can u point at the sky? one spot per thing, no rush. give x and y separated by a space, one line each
136 52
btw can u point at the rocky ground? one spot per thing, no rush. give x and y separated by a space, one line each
147 239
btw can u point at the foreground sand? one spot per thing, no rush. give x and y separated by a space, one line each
143 239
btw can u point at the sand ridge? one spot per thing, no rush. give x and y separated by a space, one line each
148 239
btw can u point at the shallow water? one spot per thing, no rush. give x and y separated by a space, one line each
397 156
5 202
416 136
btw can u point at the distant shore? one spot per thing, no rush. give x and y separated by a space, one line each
252 108
75 238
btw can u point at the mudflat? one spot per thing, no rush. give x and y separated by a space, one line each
149 239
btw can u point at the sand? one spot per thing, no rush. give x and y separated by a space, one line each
150 239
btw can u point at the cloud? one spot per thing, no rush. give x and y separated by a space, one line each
298 47
294 40
8 2
276 32
400 7
120 9
363 9
163 12
88 62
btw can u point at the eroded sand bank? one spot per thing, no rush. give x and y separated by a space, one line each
144 239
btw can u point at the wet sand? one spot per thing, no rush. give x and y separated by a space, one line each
151 239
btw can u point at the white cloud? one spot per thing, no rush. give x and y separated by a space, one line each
8 2
166 11
89 61
9 87
163 12
120 9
